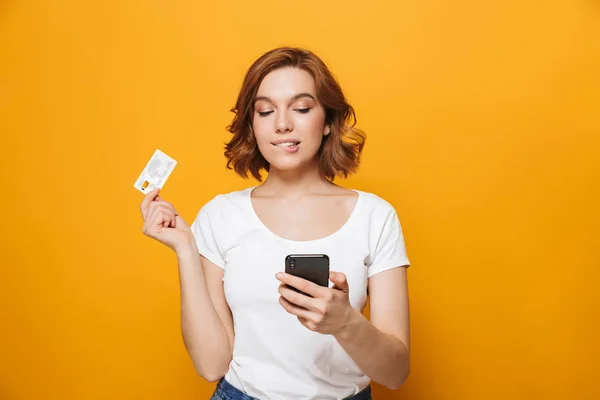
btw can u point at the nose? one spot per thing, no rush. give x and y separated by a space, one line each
283 123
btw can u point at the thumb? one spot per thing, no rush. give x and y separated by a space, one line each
339 281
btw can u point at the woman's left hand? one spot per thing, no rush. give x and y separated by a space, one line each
327 312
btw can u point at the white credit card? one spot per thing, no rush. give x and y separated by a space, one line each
155 173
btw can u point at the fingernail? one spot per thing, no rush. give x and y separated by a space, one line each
279 275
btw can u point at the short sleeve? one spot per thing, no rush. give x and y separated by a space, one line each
205 229
390 249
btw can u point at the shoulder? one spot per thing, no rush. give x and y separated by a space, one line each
225 203
375 204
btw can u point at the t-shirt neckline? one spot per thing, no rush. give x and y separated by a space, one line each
355 210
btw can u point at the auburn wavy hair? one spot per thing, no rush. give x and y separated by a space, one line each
340 151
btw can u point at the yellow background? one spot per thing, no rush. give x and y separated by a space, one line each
483 121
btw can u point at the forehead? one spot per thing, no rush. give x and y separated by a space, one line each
284 83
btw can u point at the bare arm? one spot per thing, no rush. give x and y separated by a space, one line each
381 348
206 322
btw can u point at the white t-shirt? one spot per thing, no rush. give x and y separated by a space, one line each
274 356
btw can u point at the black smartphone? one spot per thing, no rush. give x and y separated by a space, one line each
312 267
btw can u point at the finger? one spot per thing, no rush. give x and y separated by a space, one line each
308 323
152 212
299 299
160 199
147 200
339 281
154 208
295 310
301 284
168 218
163 203
161 217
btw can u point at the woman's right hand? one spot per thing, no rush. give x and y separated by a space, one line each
161 222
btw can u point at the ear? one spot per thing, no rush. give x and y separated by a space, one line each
327 130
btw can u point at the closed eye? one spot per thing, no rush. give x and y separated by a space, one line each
303 110
264 113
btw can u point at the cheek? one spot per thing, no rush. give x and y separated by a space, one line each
261 132
263 138
311 123
313 128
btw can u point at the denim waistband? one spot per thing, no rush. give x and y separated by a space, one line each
226 391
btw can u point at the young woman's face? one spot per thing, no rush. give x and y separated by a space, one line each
289 122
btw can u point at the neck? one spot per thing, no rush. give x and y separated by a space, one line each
294 183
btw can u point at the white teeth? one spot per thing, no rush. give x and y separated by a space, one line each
287 144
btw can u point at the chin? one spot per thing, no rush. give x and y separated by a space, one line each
289 162
286 165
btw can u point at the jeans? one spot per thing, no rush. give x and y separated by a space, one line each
225 391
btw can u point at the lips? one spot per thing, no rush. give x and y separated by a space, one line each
286 142
287 145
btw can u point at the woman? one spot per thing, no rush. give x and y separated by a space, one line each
242 325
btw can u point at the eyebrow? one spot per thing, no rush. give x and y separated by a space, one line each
296 97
